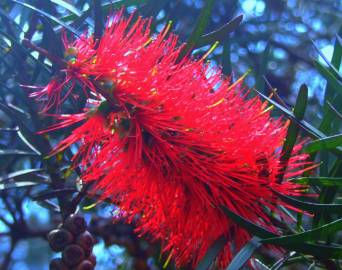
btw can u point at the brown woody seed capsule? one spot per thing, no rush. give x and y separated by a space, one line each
59 239
86 241
75 224
84 265
57 264
73 255
92 259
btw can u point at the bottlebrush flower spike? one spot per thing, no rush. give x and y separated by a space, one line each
175 141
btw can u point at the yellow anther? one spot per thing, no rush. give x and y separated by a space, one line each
216 103
148 42
239 80
167 28
266 110
154 91
167 260
154 70
212 48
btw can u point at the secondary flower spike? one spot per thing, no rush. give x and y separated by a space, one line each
171 142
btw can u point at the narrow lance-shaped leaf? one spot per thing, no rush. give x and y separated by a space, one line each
49 16
330 124
15 152
52 42
221 33
201 24
319 181
331 66
249 226
211 254
310 206
262 68
109 5
293 130
64 4
308 128
23 175
322 251
329 76
244 254
98 18
326 143
310 235
34 142
4 186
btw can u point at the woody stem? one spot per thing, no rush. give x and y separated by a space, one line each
62 63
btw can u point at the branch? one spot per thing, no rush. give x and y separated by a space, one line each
59 61
7 259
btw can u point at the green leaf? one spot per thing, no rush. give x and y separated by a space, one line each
244 254
249 226
212 253
29 137
53 43
327 143
329 119
4 186
226 58
110 5
311 207
310 235
219 34
23 175
19 48
308 128
331 66
49 16
49 205
293 130
329 76
322 251
261 68
98 18
15 152
319 181
318 250
68 7
201 25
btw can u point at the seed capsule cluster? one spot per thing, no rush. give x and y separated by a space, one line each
72 239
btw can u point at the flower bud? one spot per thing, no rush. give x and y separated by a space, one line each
73 255
57 264
59 239
75 224
86 241
85 265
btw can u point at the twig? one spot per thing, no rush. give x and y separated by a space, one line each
7 223
79 197
7 259
59 61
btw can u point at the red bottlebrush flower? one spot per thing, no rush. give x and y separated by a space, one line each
176 141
